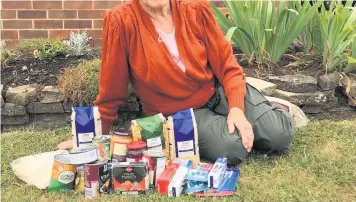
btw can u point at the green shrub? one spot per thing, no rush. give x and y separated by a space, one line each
331 34
6 54
30 45
80 84
263 29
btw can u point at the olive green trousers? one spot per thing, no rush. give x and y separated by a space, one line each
272 127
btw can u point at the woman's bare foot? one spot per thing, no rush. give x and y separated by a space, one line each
66 145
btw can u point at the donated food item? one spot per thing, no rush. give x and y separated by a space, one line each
117 158
175 187
86 124
102 144
226 188
216 174
96 179
198 178
156 162
130 178
201 173
63 174
135 151
79 180
119 140
165 178
183 136
82 155
152 130
36 169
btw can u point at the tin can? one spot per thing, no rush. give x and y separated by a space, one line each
102 144
119 140
83 155
96 179
130 178
117 158
156 161
63 174
79 180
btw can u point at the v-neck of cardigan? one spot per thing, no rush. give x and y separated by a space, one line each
178 36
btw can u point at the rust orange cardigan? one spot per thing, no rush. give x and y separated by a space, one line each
132 53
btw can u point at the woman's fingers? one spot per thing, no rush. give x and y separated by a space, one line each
231 126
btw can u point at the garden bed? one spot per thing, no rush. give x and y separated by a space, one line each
29 70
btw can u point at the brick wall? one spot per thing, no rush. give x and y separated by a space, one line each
55 19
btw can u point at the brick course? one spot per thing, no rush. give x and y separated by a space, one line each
56 18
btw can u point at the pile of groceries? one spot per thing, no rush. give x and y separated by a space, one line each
155 153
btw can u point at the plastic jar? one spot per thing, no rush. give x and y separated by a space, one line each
135 151
119 140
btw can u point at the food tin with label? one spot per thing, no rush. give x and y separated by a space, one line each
102 144
96 179
119 140
83 155
63 174
156 162
130 178
79 180
135 151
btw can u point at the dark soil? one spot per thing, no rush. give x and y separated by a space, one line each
25 70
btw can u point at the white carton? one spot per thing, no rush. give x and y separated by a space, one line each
175 187
216 174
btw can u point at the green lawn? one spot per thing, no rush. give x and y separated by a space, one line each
321 166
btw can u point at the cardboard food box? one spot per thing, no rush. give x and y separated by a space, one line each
130 178
165 178
175 187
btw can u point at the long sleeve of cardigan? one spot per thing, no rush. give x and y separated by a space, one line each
222 60
114 73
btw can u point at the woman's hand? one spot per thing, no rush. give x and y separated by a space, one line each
237 118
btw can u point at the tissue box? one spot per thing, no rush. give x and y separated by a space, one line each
216 174
175 187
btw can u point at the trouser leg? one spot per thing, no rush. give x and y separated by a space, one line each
272 129
214 139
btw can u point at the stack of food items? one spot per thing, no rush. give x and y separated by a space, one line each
155 153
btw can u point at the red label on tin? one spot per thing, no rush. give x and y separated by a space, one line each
128 169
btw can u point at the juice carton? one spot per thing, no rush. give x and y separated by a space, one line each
165 178
216 174
175 187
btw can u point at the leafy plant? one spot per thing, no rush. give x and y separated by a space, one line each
27 46
47 52
337 28
263 29
6 54
79 43
80 84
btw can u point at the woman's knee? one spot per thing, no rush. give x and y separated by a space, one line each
274 131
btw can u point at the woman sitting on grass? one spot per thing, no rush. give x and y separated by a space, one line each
176 57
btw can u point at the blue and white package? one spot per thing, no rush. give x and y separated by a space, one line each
216 174
175 187
183 136
195 186
230 180
86 124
